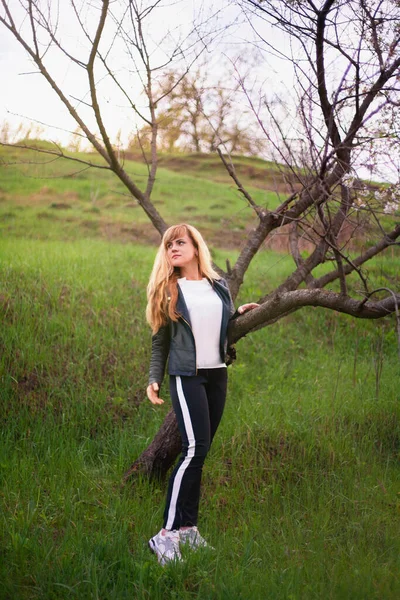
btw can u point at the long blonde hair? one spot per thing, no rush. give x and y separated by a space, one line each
162 290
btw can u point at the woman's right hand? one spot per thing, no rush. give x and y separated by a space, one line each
152 393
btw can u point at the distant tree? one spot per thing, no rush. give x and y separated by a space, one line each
76 141
196 115
5 132
346 58
23 131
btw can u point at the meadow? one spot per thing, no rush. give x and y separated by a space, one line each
301 494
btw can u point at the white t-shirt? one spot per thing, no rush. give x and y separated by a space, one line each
205 311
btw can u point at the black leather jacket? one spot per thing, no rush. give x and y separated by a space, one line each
176 338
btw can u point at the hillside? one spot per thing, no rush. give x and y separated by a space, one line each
46 198
301 487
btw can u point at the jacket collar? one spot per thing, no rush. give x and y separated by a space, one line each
219 288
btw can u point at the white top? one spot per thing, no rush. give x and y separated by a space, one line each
205 312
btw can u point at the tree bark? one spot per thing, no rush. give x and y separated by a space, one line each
159 456
344 122
155 461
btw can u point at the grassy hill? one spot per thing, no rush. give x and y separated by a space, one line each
301 488
46 198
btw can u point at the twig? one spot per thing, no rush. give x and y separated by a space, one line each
396 304
231 170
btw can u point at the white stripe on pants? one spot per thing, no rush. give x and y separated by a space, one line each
188 458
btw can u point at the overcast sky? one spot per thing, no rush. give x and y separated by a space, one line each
26 96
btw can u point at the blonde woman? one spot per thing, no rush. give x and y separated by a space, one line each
189 308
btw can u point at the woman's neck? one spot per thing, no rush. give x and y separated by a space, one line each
191 274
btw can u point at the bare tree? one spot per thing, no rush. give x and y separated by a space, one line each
120 28
338 116
346 60
197 114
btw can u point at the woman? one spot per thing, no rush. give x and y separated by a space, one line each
189 308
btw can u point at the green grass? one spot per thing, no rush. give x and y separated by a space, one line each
58 199
301 494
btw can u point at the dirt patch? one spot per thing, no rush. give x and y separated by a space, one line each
5 302
31 392
206 165
45 191
225 237
60 205
46 215
46 194
42 196
70 196
351 237
64 296
90 224
139 234
28 383
146 234
230 240
92 209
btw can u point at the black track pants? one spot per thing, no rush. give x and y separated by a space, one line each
198 403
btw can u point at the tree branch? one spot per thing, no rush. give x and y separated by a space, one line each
387 241
326 106
279 304
232 172
57 154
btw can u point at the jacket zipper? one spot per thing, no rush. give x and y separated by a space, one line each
194 343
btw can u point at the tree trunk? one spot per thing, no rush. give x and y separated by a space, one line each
155 461
158 457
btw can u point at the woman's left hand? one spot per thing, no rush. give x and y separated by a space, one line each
245 307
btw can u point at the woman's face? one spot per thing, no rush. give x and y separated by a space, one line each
181 252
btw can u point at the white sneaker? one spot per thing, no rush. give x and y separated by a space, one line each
193 539
166 546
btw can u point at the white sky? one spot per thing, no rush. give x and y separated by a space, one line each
26 96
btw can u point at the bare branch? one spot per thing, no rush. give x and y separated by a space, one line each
231 170
326 106
58 154
90 69
279 304
294 248
387 241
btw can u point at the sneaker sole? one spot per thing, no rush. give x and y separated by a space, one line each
152 547
161 559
